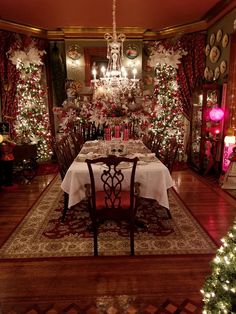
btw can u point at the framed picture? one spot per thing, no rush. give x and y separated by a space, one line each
95 58
4 128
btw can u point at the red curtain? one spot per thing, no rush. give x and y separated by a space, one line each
191 69
9 77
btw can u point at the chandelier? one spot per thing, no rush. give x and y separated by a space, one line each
114 84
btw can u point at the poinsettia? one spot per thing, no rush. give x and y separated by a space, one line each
23 59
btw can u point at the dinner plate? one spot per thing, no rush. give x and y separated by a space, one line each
142 162
122 165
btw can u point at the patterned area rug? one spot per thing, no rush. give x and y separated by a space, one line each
41 234
106 305
47 167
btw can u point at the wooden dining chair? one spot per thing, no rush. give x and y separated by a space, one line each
62 150
168 153
148 140
77 142
107 197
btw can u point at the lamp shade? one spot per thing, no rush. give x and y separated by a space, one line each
229 139
216 114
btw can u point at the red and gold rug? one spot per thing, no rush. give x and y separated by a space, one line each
41 233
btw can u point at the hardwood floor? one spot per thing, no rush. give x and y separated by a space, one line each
91 285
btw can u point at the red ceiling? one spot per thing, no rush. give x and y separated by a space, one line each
149 14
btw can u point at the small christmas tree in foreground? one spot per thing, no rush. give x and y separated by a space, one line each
219 291
32 120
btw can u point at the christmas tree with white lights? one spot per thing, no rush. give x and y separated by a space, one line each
169 121
219 291
32 119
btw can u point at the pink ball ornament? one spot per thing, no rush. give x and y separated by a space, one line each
216 114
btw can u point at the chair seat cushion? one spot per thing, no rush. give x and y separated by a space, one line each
100 199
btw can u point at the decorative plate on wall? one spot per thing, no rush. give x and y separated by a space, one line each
212 39
74 52
214 54
207 50
223 67
219 35
211 75
131 51
208 74
216 73
225 40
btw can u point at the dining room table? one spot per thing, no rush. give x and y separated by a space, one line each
153 176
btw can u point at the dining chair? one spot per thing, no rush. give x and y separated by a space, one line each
148 140
108 198
168 152
64 156
77 141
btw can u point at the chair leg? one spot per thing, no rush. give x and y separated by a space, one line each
167 209
66 200
168 213
132 237
95 240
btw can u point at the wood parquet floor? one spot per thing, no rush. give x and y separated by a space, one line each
113 285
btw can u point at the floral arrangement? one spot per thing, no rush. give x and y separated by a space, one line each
159 55
104 112
25 59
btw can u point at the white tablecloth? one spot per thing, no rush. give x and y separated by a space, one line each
154 179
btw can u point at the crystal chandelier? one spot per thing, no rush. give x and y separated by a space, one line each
114 84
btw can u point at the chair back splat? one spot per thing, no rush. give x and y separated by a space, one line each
111 193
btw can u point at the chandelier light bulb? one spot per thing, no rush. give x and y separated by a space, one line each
94 72
134 71
103 70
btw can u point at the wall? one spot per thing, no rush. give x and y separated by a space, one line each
213 64
95 50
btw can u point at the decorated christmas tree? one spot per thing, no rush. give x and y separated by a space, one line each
32 119
219 291
169 120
